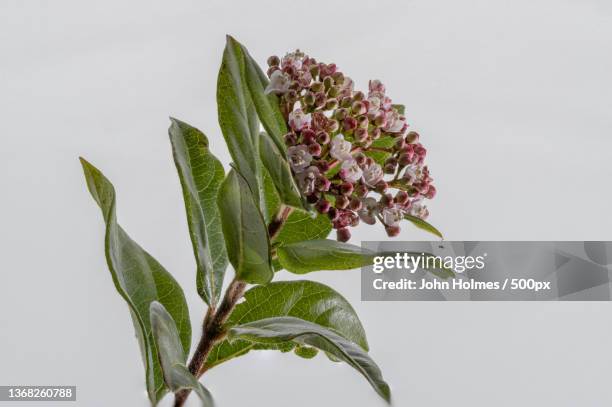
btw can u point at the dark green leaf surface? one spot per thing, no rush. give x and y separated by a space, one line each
267 106
314 255
201 174
307 300
301 226
238 118
421 224
172 357
381 156
140 280
244 230
280 172
282 329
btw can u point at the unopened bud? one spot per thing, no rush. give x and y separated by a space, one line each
314 149
346 188
357 96
338 78
401 198
332 126
346 102
290 139
308 136
362 121
358 108
340 114
273 61
333 92
389 169
361 190
355 204
412 137
386 200
361 134
331 104
349 123
381 187
343 235
314 70
328 82
323 206
342 202
392 231
375 133
323 137
431 192
309 99
317 87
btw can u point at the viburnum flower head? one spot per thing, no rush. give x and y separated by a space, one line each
350 152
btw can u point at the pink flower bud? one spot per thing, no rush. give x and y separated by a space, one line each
273 61
361 135
342 202
355 204
323 206
314 149
360 158
346 188
361 190
332 126
312 198
358 108
405 159
431 192
387 200
290 139
392 231
381 187
401 198
322 165
349 123
343 235
322 137
358 96
333 214
412 137
308 136
322 184
317 87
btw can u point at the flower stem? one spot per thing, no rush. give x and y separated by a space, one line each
212 332
279 220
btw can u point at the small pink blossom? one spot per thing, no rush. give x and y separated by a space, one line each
299 158
279 83
372 174
392 216
350 171
340 148
298 120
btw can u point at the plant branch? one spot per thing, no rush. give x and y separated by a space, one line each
212 333
277 223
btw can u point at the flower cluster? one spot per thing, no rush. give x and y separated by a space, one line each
351 153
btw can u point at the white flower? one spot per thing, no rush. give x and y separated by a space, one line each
307 180
298 120
418 209
369 210
279 83
340 148
350 171
412 173
395 123
372 174
392 216
299 157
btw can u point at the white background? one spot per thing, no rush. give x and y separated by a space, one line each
512 99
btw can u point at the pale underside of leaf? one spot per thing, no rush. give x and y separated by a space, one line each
171 355
283 329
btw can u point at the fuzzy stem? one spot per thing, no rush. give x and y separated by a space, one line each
212 333
279 220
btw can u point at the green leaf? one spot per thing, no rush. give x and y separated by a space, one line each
267 106
283 329
401 109
307 300
280 172
172 357
139 279
421 224
238 119
244 230
314 255
381 156
201 174
301 226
